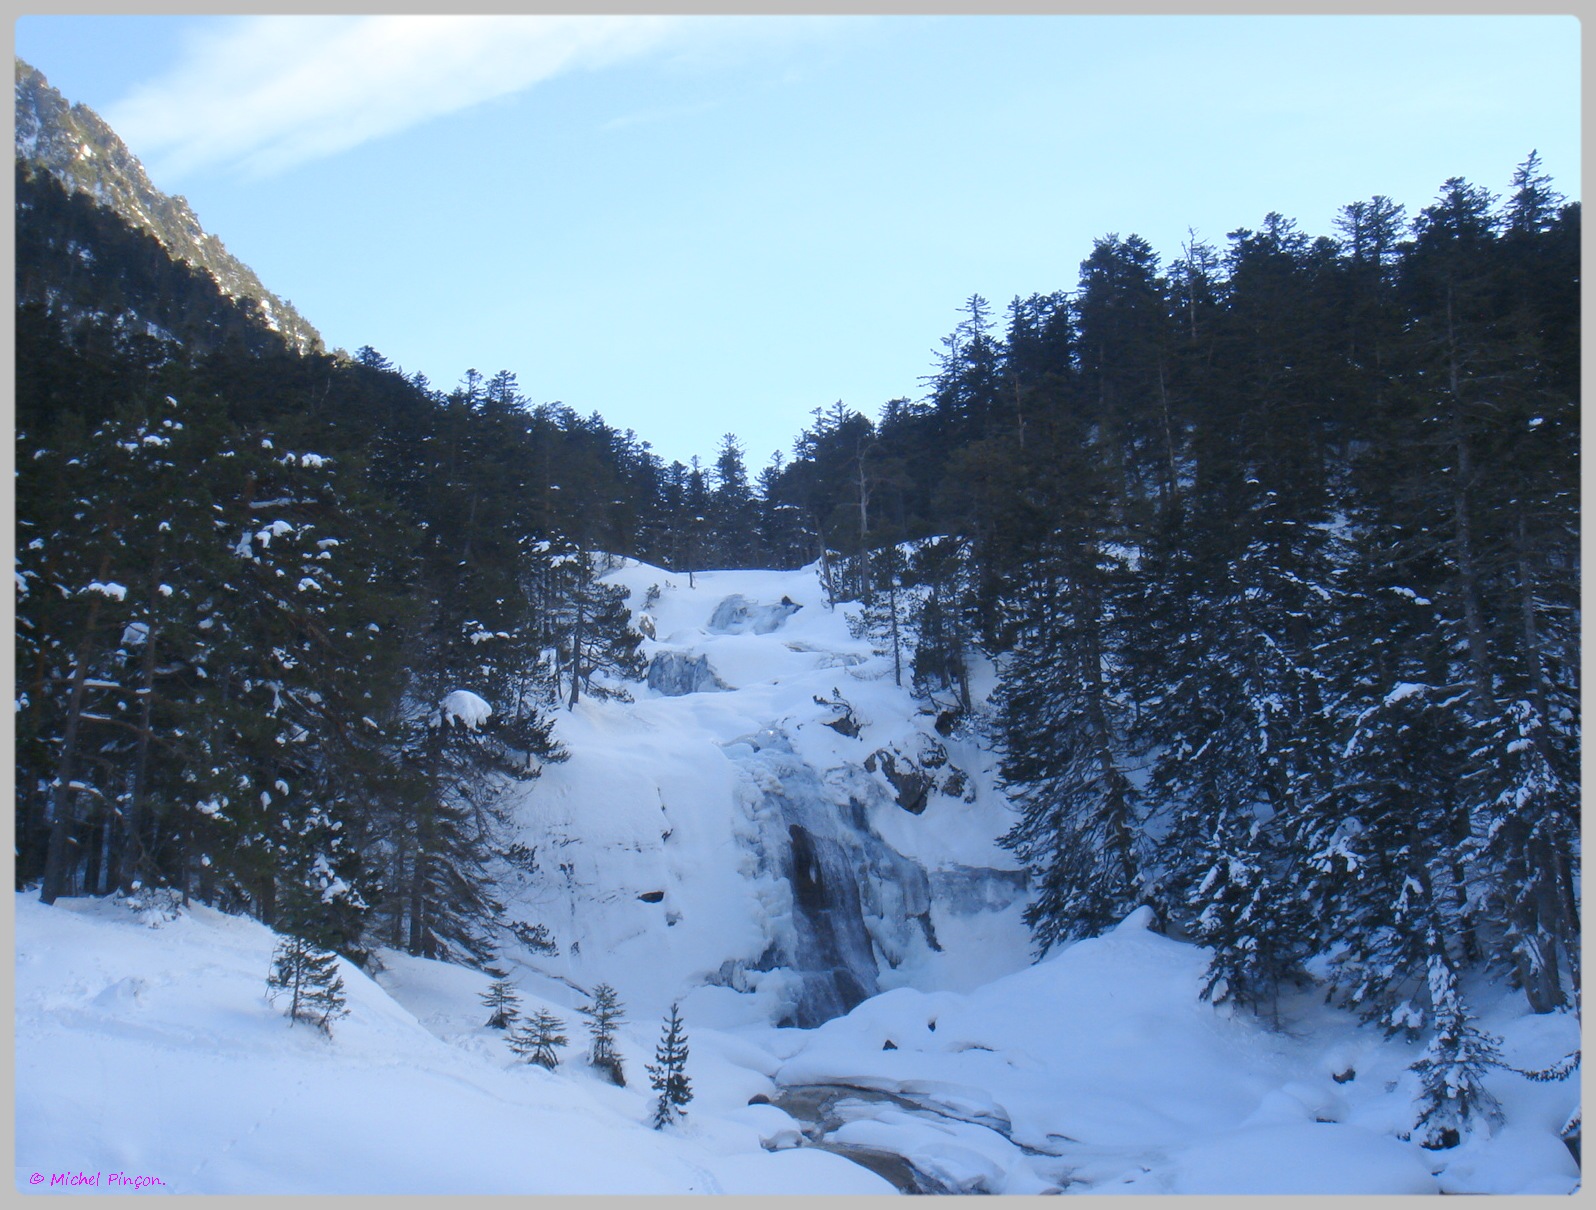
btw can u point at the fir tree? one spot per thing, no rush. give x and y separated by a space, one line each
603 1015
731 502
1529 788
668 1073
883 617
309 978
967 386
1453 1096
1063 737
445 823
1240 914
940 621
503 1003
596 631
1381 866
538 1038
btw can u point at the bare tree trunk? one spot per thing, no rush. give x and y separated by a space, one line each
1463 535
132 855
418 876
578 638
57 878
897 641
825 570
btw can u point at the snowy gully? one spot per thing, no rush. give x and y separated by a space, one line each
115 1180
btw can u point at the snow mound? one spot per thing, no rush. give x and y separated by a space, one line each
1099 1069
1308 1157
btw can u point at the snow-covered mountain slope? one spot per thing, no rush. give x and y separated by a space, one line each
773 834
73 144
152 1052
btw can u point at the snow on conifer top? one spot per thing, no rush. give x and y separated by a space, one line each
466 707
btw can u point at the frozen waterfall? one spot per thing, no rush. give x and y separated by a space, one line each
855 900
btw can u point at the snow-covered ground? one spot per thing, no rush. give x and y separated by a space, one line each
666 867
153 1052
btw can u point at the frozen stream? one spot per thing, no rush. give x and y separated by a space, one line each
827 1108
887 1131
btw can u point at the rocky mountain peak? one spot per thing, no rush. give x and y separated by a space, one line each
74 145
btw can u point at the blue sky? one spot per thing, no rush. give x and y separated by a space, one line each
706 225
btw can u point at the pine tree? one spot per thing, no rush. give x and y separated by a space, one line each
538 1038
1484 501
603 1015
1241 918
883 617
299 655
591 627
668 1073
731 515
503 1003
251 600
443 832
1080 831
442 823
967 388
940 620
1529 785
1453 1096
1124 336
1251 763
309 977
1381 865
107 522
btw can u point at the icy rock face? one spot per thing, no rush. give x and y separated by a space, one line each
738 615
967 890
675 673
856 902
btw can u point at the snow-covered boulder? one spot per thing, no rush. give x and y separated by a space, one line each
736 614
910 783
675 673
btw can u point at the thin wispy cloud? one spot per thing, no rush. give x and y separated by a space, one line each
653 116
263 94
